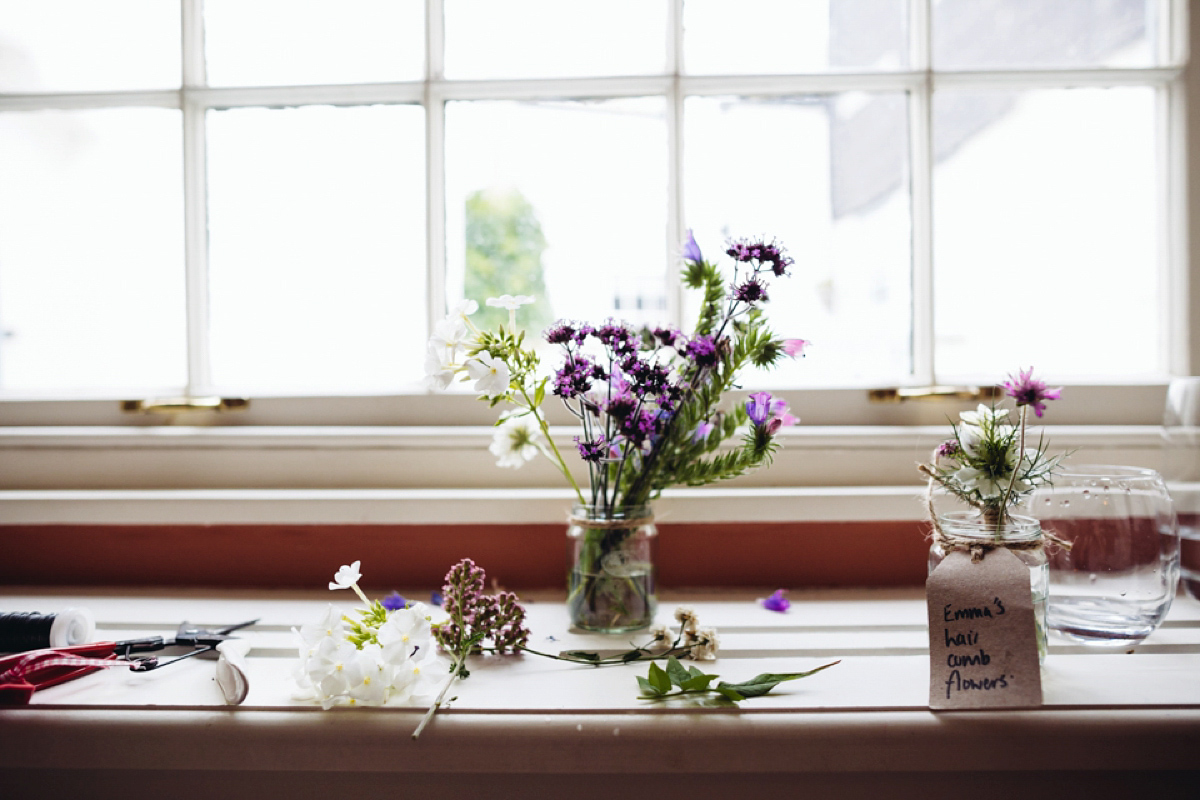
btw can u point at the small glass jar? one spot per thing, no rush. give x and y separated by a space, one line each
610 577
1016 530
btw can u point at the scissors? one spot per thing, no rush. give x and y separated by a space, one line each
22 674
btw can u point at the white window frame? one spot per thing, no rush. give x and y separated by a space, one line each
54 443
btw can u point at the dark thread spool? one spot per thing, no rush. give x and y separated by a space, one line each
24 630
30 630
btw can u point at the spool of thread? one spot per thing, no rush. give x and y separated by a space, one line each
30 630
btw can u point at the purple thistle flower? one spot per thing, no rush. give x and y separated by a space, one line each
702 350
691 250
560 332
752 291
594 451
758 407
1028 391
777 601
394 602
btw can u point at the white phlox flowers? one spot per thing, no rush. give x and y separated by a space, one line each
490 374
510 302
370 658
346 576
401 665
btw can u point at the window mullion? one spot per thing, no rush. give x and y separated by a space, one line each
920 112
676 216
195 198
435 169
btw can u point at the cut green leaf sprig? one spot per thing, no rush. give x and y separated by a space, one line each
660 683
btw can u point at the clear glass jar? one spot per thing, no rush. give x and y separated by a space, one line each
1016 530
610 577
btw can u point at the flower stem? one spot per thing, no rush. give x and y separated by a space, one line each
445 688
545 428
1016 471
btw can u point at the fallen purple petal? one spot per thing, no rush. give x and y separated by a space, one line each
777 602
394 602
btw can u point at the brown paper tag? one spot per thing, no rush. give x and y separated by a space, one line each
983 650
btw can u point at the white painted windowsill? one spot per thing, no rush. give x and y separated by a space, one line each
531 727
415 475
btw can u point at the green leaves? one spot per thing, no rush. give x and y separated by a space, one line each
658 684
761 684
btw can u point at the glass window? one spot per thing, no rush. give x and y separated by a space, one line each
285 43
317 248
91 251
489 39
784 36
1047 198
582 186
85 46
1042 34
828 176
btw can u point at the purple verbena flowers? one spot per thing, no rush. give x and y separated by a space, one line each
1028 391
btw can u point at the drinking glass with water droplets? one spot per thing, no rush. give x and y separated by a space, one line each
1181 469
1116 582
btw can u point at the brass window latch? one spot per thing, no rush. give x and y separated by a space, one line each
180 405
903 394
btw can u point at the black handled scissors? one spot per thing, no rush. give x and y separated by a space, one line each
201 640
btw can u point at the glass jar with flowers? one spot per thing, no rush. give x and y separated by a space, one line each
650 413
987 465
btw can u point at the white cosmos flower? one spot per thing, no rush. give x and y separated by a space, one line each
490 374
516 441
510 302
346 576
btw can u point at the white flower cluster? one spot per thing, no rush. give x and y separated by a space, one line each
455 335
518 438
702 643
401 664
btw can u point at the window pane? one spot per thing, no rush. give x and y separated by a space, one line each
91 256
1045 230
82 45
1024 34
582 188
828 176
782 36
553 39
289 43
317 248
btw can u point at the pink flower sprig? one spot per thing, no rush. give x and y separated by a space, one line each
474 619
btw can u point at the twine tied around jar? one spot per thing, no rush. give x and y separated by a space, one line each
979 548
609 524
